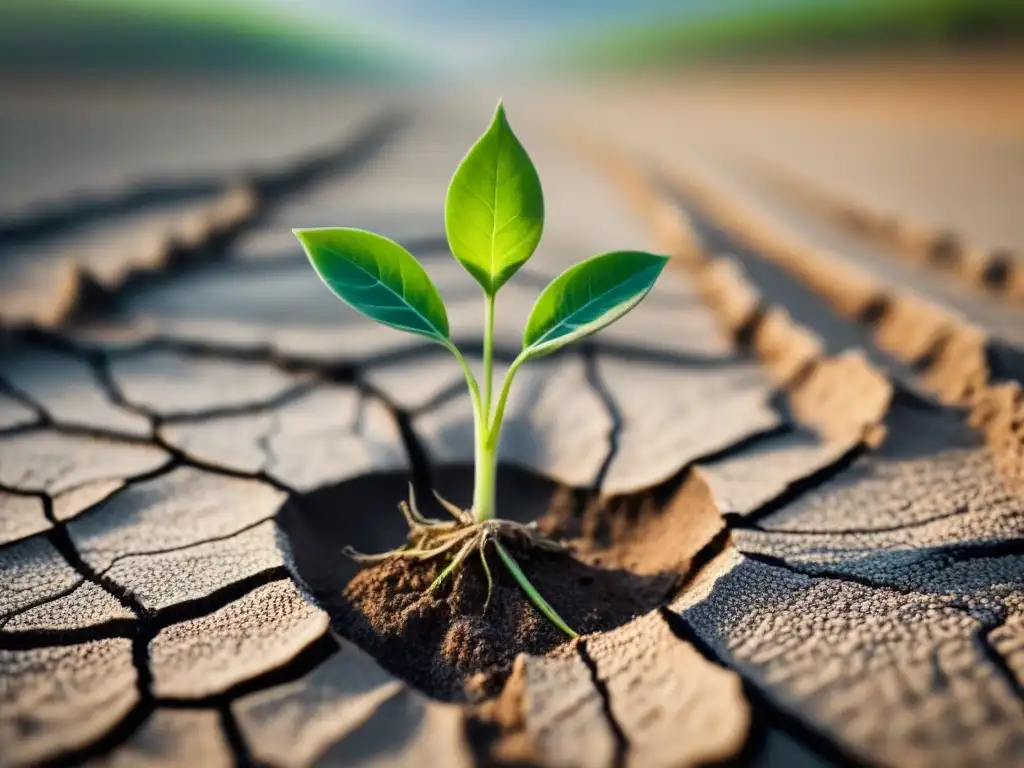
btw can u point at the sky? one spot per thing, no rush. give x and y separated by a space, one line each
465 37
460 33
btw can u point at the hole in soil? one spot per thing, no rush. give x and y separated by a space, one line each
628 555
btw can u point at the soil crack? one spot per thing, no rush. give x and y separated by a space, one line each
994 269
767 714
618 734
818 572
304 662
29 639
603 393
143 626
142 633
419 458
60 538
960 509
240 206
235 739
24 399
289 395
332 368
982 638
41 601
797 489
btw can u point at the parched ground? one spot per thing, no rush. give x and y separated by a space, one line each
812 432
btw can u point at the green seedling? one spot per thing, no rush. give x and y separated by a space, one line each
494 216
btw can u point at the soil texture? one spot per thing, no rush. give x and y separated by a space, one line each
448 643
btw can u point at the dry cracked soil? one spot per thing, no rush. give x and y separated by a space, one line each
792 479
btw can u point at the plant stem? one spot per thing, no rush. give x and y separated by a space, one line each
486 439
488 352
485 475
494 426
487 434
483 490
474 390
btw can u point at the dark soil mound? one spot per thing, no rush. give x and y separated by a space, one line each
620 564
440 641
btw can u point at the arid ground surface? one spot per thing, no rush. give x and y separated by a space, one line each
800 463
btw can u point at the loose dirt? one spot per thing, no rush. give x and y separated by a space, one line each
619 564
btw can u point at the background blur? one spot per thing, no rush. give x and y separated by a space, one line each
98 94
359 38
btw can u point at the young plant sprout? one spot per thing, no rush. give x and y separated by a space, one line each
494 216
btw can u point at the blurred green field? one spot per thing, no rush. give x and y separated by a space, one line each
810 27
181 36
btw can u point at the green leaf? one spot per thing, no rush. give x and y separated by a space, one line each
494 212
377 277
589 296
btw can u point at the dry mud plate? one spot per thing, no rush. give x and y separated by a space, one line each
791 480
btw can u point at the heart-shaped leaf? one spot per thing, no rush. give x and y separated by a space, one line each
589 296
494 212
378 277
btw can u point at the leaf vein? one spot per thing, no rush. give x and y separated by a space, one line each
568 321
478 197
507 224
400 296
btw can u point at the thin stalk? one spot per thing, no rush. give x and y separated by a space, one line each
485 475
455 563
474 390
488 351
488 437
535 597
486 445
486 461
494 427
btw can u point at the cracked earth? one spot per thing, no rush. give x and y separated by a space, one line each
809 439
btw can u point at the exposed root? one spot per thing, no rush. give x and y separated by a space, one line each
429 538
